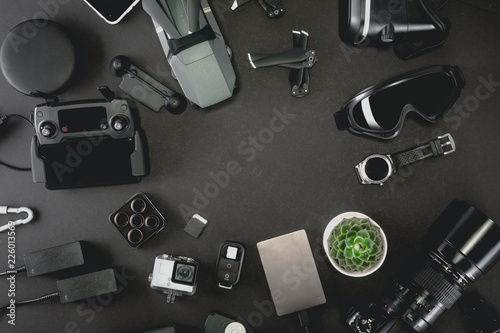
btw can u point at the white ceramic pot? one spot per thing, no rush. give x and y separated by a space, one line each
328 231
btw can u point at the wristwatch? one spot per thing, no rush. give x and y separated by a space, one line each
377 168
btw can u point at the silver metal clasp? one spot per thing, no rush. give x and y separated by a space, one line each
447 143
11 210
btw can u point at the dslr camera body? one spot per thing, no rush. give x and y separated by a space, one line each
461 246
175 276
87 143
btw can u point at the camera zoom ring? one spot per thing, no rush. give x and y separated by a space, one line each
437 285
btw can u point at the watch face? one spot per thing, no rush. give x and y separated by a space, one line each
112 10
377 168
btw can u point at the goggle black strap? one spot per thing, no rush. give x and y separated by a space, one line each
442 145
437 4
342 120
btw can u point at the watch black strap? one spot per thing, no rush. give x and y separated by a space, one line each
442 145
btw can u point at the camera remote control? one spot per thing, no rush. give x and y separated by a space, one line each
229 263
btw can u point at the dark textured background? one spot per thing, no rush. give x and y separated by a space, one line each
300 180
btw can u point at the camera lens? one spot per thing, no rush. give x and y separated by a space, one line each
152 222
184 273
465 238
136 221
121 219
461 246
138 205
134 236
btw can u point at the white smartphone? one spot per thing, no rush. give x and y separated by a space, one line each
112 11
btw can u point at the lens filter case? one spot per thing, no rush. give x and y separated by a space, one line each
38 56
138 220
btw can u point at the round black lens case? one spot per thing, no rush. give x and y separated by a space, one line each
38 55
138 220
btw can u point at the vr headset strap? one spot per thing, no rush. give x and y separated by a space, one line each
407 48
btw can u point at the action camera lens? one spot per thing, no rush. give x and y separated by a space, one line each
134 236
121 219
184 273
152 222
136 221
138 205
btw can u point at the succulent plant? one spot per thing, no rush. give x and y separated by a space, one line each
356 244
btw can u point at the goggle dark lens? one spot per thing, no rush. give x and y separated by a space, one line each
430 94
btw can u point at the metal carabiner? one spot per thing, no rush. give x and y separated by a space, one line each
10 210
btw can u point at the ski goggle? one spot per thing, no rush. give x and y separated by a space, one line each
380 110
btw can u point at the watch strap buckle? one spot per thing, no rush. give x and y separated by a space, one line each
447 143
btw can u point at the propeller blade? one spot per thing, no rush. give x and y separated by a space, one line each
158 14
193 15
309 61
238 3
296 37
290 56
299 89
295 79
302 43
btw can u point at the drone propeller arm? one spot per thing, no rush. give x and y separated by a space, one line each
157 13
193 15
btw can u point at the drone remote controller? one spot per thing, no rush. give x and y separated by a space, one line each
87 143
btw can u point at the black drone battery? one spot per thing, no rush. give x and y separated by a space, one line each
138 220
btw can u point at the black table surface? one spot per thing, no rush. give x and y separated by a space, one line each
299 178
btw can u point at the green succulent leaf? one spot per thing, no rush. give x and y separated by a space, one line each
355 228
364 233
331 240
351 233
340 255
348 253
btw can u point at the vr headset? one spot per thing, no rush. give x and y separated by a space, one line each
412 26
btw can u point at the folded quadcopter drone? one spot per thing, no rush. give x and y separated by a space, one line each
195 49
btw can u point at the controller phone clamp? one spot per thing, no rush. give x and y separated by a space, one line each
87 143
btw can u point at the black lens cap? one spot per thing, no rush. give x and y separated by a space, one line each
38 55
